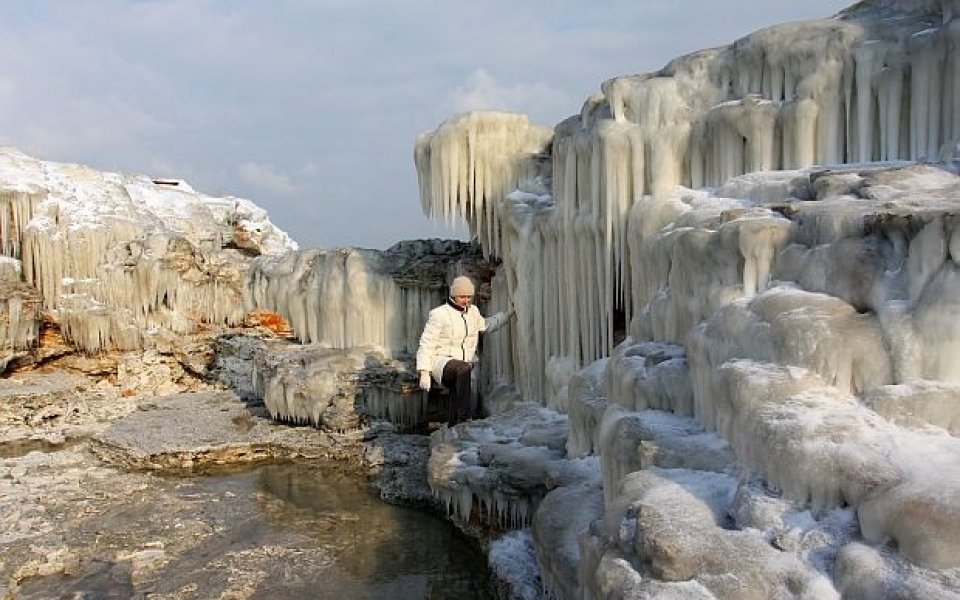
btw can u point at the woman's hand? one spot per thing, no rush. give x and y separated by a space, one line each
425 380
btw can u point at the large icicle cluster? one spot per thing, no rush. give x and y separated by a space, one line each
349 297
738 277
854 88
342 298
115 256
470 163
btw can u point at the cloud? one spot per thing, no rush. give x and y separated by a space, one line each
482 91
266 179
311 107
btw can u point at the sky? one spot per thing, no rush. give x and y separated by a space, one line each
310 108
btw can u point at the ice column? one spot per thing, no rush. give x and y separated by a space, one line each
16 210
19 308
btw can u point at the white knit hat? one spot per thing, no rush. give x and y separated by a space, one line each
461 286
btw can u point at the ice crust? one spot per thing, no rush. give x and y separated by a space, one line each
512 559
492 469
738 278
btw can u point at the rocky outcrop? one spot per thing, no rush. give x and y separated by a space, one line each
185 432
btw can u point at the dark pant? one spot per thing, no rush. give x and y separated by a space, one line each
456 377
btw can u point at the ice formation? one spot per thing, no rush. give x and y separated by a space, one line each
852 89
738 278
353 298
499 469
114 256
342 298
512 560
471 163
20 306
335 389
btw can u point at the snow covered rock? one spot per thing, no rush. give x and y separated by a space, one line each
493 470
917 404
676 521
114 256
865 572
562 515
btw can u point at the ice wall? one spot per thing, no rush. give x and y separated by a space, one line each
737 276
341 298
19 309
854 88
116 256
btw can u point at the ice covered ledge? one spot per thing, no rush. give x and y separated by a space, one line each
336 390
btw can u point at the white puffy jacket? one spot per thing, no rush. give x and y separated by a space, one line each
450 333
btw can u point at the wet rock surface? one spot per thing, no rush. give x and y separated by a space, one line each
200 430
75 527
87 501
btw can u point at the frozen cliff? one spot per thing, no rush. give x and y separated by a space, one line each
115 258
736 279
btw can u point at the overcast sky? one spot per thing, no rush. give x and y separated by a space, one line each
310 108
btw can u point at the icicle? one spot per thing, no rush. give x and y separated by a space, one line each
471 162
341 298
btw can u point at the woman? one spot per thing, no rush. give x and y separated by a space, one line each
448 346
